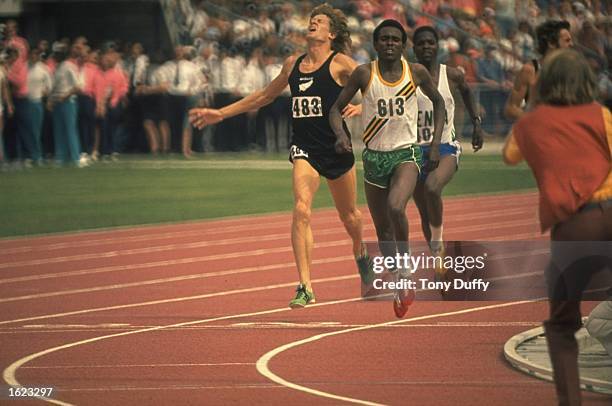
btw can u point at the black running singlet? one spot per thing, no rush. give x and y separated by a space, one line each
313 95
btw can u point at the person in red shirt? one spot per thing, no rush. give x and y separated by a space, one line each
112 90
17 75
90 78
567 142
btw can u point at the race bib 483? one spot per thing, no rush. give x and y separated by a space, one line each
307 106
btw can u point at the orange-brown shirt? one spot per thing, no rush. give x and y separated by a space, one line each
569 150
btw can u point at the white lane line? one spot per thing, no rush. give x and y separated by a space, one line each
171 387
263 368
222 273
265 326
172 247
183 365
202 244
174 300
222 293
211 232
9 372
153 231
142 238
205 258
162 280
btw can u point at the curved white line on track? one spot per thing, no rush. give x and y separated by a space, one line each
264 360
9 372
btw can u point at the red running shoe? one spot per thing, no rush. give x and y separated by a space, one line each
402 299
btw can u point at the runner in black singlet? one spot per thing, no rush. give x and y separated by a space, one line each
316 78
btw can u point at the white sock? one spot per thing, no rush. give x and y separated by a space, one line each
436 237
436 232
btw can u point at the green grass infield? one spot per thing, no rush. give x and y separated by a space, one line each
144 190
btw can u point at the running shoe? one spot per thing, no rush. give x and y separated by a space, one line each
438 252
303 297
440 272
402 298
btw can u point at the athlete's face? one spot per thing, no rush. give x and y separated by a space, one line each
389 44
425 47
319 27
565 39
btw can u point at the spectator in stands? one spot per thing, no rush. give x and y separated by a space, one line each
183 80
252 79
17 77
197 20
43 47
91 77
495 87
275 115
567 14
228 130
135 65
13 40
39 85
592 39
110 94
155 106
505 16
265 23
6 108
63 103
551 35
524 41
209 65
508 60
446 24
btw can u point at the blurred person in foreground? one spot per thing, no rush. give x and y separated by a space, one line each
316 79
566 140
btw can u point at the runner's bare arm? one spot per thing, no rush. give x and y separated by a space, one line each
200 117
341 69
458 79
423 79
358 80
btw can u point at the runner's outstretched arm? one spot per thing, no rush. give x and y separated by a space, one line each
200 117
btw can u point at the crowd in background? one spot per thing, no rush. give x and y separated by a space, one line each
72 102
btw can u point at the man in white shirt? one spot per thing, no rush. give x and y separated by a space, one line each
39 86
252 79
63 103
275 115
209 65
135 67
184 81
228 131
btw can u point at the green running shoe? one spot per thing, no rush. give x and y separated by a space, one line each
365 264
302 298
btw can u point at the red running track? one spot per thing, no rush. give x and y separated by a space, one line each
196 313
